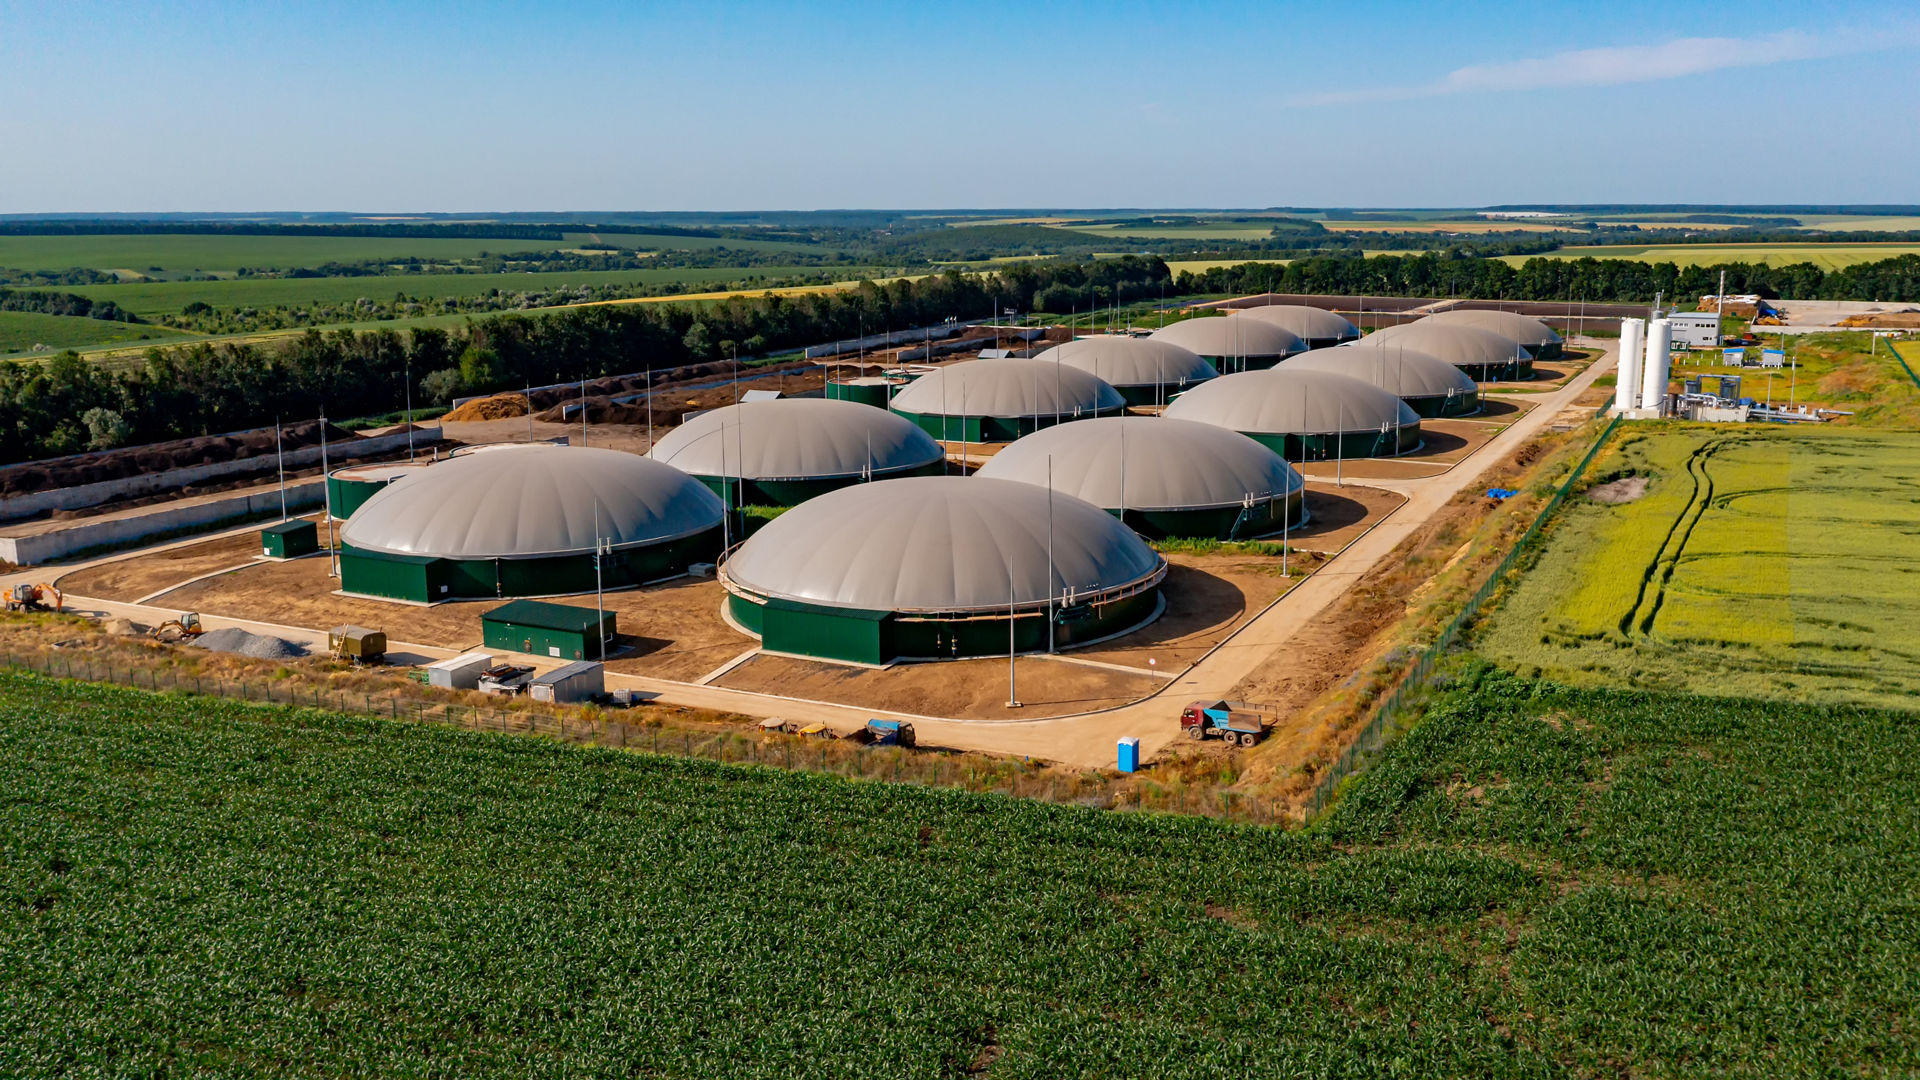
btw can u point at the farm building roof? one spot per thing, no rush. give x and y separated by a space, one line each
1296 401
794 438
546 616
1402 372
1010 387
1167 464
530 501
1231 337
940 544
1129 361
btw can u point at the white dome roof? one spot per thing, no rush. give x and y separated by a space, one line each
1296 402
939 543
1462 346
795 439
1009 387
1309 323
1209 336
1118 360
1526 331
531 501
1404 373
1169 464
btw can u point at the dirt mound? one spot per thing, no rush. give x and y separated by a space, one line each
121 627
1886 320
1614 492
94 468
497 407
259 646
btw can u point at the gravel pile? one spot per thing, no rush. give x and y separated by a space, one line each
259 646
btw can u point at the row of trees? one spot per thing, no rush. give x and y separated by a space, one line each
65 303
1895 280
68 405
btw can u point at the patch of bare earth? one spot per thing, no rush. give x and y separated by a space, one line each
1624 490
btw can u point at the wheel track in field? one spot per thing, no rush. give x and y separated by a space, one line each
1695 509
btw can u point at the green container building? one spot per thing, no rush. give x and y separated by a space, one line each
289 539
535 628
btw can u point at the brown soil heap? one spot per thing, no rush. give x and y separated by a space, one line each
159 457
497 407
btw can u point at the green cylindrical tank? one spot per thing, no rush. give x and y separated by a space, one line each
349 488
875 390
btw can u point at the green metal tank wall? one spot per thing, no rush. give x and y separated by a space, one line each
1433 408
1297 448
1223 523
425 579
955 428
877 395
348 495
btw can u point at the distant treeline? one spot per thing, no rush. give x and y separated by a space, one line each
248 228
61 303
67 405
1895 280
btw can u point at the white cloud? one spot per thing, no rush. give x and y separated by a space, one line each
1625 64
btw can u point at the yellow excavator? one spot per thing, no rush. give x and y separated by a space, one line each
180 629
25 597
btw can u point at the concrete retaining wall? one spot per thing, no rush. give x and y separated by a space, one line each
82 496
91 534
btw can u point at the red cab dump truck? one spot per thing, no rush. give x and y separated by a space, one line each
1233 721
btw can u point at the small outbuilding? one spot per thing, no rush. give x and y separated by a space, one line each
459 672
1541 341
1145 371
1317 327
582 680
1003 399
1304 415
939 567
1486 356
289 539
1429 385
526 521
1232 344
538 628
786 451
1161 477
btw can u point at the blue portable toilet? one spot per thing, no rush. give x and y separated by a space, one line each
1129 754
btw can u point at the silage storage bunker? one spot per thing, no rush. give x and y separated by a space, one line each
1318 328
1001 399
1161 477
349 488
1541 341
1146 372
939 567
1233 345
1429 385
1484 355
1304 415
786 451
524 522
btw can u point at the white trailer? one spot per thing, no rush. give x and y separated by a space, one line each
459 673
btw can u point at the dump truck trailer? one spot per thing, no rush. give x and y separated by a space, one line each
1235 722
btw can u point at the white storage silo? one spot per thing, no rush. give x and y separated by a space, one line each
1653 385
1633 333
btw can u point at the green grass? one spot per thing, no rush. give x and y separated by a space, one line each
1177 232
168 298
20 331
1761 562
176 255
1536 882
1825 256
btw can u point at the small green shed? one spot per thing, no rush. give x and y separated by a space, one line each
289 539
542 629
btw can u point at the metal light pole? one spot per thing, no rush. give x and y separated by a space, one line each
408 376
326 487
1013 697
280 460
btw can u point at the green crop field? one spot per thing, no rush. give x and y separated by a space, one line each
1177 232
1825 256
169 297
164 256
1763 563
21 331
1537 882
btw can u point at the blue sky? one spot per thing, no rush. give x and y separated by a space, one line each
478 106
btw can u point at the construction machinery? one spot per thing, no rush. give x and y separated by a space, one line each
25 597
357 644
1234 722
186 627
